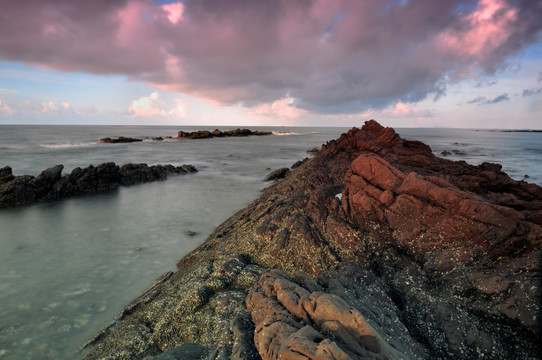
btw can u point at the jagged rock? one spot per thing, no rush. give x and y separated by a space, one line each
277 174
50 184
205 134
203 304
120 139
453 246
6 175
345 314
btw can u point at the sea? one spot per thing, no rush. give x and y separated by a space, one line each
68 267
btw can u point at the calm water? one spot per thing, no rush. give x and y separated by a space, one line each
68 267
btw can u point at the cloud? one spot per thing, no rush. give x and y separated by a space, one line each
149 106
539 80
478 100
342 56
498 99
283 108
5 109
7 91
404 110
529 92
482 100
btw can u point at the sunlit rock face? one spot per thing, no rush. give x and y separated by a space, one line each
381 250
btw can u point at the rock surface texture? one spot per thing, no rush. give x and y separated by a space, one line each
385 251
51 184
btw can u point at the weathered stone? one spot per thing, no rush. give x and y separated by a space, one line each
50 184
347 319
277 174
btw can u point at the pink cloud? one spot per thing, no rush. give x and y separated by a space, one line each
5 109
339 56
174 11
283 108
404 110
149 106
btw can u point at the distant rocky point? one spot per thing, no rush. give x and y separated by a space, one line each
528 131
51 184
205 134
120 139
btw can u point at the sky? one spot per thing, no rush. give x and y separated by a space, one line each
404 63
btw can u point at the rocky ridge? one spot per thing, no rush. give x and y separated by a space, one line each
205 134
50 184
385 251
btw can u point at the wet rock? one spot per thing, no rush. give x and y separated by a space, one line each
186 351
445 153
6 175
120 139
205 134
50 184
202 304
277 174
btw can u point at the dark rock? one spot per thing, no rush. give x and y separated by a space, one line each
445 153
157 138
217 133
277 174
6 175
299 163
201 134
188 351
205 134
120 139
50 184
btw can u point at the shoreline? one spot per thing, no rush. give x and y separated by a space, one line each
299 224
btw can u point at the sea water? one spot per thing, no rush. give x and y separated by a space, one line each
68 267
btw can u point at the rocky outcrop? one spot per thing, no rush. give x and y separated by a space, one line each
344 314
51 184
120 139
277 174
202 304
445 254
205 134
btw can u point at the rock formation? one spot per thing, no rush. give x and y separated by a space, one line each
412 256
51 184
120 139
205 134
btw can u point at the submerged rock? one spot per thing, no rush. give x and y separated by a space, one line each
445 254
51 184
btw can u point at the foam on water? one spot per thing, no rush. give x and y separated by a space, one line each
68 145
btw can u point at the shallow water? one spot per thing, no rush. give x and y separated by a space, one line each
68 267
